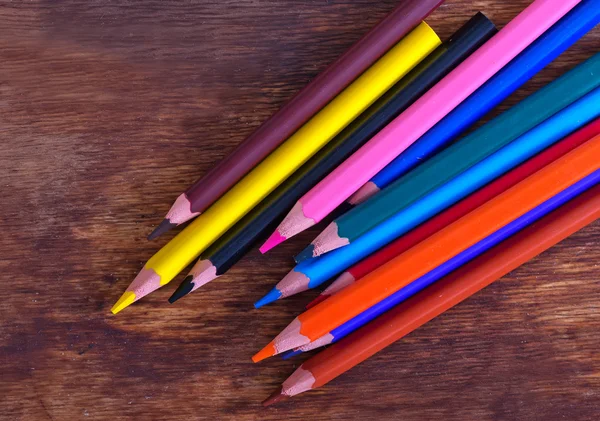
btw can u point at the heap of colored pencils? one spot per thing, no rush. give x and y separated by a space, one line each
425 216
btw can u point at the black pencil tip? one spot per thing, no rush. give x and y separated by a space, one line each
305 254
163 227
183 289
275 397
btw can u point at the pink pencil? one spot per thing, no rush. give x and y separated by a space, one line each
420 117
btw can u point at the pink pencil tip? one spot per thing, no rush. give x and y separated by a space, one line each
274 240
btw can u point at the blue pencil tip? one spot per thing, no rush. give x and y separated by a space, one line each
273 295
290 354
305 254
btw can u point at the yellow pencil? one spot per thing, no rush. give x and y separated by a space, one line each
287 158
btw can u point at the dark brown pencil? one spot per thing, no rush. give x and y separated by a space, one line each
296 112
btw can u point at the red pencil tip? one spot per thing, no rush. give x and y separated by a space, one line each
275 397
274 240
316 301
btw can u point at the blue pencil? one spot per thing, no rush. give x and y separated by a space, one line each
313 272
537 56
454 263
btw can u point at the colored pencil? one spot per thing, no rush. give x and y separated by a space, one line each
538 55
437 249
435 201
231 247
457 211
456 161
427 111
304 105
445 294
282 163
456 262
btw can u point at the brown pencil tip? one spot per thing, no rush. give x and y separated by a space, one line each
163 227
275 397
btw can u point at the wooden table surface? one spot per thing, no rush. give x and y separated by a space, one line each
108 110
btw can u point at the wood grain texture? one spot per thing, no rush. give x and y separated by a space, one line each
109 110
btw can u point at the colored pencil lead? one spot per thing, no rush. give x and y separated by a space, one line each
184 288
126 300
272 295
292 283
163 227
294 222
144 283
201 274
275 397
180 212
266 352
305 254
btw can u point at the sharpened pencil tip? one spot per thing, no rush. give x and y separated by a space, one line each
275 397
163 227
126 300
305 254
266 352
274 240
316 301
273 295
184 288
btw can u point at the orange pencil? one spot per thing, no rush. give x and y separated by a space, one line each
446 293
437 249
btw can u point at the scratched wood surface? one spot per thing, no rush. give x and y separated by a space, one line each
108 110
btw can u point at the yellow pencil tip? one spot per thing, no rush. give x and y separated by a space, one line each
266 352
126 300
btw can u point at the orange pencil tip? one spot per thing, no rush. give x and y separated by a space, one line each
266 352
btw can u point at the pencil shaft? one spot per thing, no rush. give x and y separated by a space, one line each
544 50
227 251
306 103
433 106
455 288
464 257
